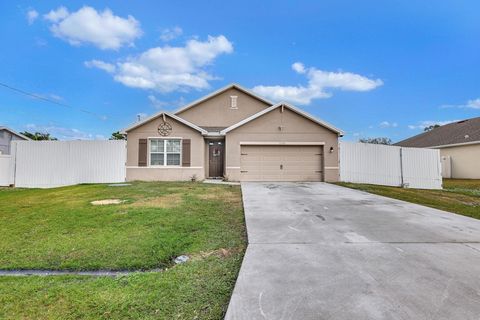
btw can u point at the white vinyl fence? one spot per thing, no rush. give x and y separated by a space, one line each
390 165
47 164
7 167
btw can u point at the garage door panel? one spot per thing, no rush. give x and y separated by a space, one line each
281 163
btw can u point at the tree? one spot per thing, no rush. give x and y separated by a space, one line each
379 140
430 128
118 136
38 136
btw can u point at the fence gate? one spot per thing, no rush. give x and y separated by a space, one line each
7 167
390 165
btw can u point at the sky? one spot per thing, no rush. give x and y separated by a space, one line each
372 68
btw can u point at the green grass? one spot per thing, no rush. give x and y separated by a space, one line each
458 196
59 229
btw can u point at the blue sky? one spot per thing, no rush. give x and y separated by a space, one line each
372 68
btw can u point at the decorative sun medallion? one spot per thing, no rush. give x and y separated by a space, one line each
164 129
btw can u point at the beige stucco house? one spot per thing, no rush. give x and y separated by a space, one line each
233 134
459 145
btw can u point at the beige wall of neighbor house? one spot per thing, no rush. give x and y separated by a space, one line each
165 173
465 160
277 127
217 111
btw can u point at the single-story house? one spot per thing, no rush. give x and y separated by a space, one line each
459 145
7 135
233 134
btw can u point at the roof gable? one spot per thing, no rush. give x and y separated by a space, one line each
195 103
460 132
15 133
164 114
290 107
220 91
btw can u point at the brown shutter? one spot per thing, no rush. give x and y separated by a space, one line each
186 153
142 152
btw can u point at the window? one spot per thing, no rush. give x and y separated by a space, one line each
165 152
233 102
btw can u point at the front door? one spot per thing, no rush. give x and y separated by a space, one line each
215 159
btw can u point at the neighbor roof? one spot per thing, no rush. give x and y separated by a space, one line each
456 133
158 115
14 132
289 106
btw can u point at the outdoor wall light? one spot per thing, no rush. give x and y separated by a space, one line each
331 149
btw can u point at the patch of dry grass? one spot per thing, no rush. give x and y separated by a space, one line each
163 201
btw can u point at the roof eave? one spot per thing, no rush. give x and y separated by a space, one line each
293 108
18 134
173 116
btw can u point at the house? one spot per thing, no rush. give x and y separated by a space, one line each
459 145
233 134
7 135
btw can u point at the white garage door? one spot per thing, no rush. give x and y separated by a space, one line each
281 163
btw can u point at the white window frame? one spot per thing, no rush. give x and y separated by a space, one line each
233 102
164 152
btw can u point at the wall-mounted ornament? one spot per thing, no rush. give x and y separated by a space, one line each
164 129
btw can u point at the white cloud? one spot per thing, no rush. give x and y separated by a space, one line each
386 124
472 104
102 29
108 67
298 67
423 124
62 133
159 104
167 69
32 15
171 33
318 82
56 15
51 96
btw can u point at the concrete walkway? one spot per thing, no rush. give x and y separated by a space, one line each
320 251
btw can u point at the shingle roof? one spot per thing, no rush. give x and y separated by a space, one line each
465 131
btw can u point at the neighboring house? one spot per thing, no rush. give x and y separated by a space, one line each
6 137
234 134
459 145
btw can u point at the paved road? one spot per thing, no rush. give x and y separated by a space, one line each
320 251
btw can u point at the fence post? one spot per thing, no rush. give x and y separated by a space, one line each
401 168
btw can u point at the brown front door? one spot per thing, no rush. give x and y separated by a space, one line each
215 159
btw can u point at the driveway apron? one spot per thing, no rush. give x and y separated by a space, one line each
321 251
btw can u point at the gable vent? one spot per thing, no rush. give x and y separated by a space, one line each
233 102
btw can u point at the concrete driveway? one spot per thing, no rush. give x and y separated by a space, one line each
320 251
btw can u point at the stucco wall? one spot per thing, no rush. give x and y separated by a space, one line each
465 161
179 130
295 128
216 111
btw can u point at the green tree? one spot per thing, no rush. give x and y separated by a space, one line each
118 136
430 128
379 140
39 136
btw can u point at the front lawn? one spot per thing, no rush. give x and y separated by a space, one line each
60 229
458 196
